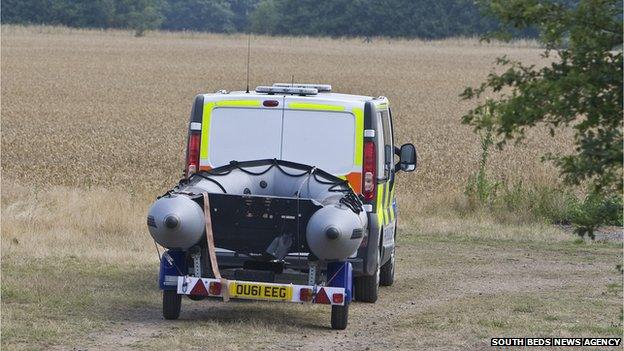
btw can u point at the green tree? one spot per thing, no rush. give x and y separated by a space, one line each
140 15
242 10
199 15
581 89
265 18
395 18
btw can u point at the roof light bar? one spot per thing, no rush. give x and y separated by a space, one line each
286 90
320 87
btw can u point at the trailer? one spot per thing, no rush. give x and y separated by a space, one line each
288 195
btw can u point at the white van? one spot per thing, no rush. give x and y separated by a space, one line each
349 136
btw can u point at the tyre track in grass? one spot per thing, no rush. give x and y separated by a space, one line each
447 296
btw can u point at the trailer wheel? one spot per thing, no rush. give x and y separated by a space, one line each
367 286
172 303
386 275
339 317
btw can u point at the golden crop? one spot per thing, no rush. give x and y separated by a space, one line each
103 108
93 127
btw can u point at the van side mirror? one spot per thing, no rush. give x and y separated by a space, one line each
407 158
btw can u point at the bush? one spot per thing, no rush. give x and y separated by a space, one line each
520 203
596 210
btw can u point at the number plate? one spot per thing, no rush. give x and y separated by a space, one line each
261 291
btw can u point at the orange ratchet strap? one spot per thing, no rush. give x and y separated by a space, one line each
225 287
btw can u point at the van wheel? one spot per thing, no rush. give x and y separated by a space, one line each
367 286
386 274
339 317
172 303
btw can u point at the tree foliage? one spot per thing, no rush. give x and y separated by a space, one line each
199 15
581 88
139 15
394 18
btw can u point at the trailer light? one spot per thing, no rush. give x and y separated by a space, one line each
270 103
305 294
338 298
214 288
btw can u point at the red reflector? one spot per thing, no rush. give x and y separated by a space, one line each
305 294
214 288
338 298
270 103
199 289
321 297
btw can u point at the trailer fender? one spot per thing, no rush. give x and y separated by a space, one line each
340 275
172 265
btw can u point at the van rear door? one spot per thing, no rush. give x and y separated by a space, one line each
326 134
310 130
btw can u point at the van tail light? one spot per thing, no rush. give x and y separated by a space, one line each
192 153
369 170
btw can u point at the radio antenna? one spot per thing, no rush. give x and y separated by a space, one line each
292 80
248 54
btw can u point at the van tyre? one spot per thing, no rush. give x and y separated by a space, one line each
172 303
367 286
339 317
386 274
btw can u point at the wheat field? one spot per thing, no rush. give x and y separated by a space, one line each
93 126
91 108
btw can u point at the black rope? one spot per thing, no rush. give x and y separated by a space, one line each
352 202
293 175
236 164
210 179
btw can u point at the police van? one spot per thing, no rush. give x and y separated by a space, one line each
349 136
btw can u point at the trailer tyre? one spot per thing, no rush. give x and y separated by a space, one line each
172 303
339 317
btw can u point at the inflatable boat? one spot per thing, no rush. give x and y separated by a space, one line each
263 210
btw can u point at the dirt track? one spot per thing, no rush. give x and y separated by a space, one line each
448 295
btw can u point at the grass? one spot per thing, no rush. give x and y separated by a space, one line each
460 282
93 127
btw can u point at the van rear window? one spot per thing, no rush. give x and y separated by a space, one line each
325 139
320 138
244 134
